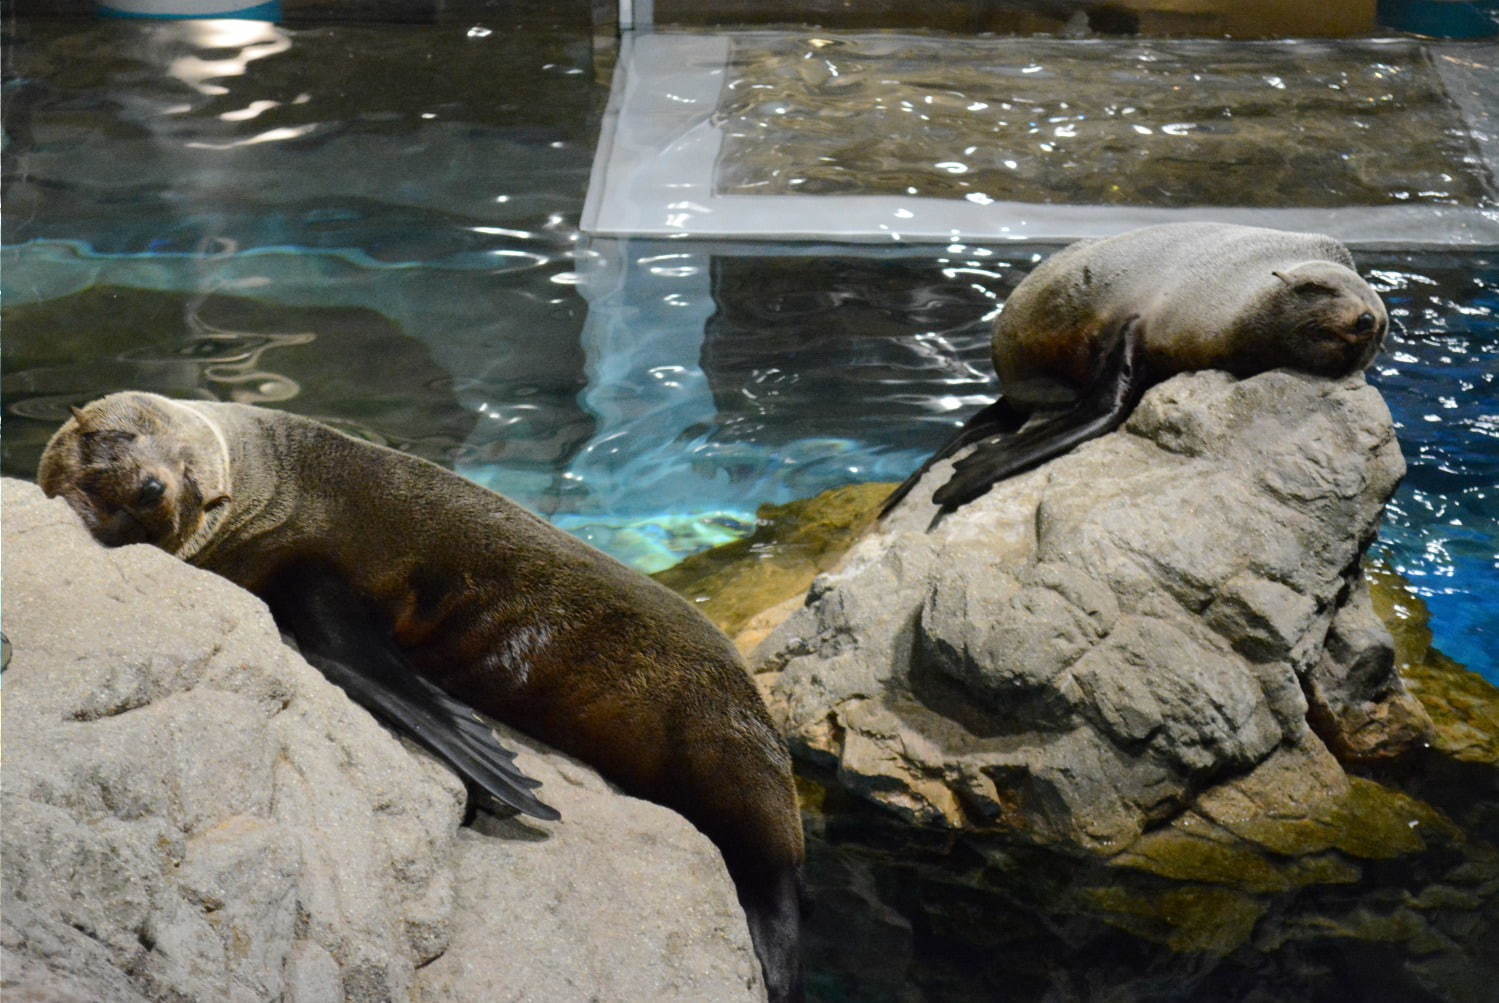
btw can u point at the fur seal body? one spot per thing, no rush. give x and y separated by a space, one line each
1084 335
390 568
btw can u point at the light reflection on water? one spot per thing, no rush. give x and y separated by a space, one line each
1440 378
405 261
1126 122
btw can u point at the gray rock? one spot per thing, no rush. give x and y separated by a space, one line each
1081 651
191 812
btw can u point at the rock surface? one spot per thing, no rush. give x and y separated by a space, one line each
192 812
1083 740
1073 657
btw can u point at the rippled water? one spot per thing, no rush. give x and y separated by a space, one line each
315 219
1440 377
1143 122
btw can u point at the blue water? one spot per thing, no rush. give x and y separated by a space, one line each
647 395
1440 377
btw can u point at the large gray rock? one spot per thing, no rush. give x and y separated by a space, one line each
1075 655
191 812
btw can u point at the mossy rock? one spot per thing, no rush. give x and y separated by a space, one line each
1200 919
791 546
1464 707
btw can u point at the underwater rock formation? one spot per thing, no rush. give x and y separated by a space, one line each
1099 641
190 811
739 585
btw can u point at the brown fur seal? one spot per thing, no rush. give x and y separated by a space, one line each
383 566
1084 335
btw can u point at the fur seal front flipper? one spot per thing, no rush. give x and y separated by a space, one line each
997 419
1110 400
339 636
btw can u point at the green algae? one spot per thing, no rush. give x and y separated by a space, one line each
1194 918
1181 856
1464 707
791 546
1376 823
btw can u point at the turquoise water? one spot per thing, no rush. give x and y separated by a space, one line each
313 219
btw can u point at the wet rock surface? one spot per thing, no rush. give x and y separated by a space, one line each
1078 653
1140 711
192 812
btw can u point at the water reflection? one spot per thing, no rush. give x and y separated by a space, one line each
225 214
1150 122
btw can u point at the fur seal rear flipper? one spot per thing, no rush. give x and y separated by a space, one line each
340 637
998 418
1110 400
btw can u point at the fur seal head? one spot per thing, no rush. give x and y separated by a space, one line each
139 468
1330 321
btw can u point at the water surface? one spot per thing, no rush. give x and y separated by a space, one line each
314 219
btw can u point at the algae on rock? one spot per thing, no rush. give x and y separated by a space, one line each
792 544
939 688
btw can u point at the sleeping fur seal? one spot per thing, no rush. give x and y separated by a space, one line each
394 574
1096 324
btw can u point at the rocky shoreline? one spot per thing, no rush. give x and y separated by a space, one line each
1140 724
1136 713
191 812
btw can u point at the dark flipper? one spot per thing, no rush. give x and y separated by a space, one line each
1118 388
772 908
999 417
341 636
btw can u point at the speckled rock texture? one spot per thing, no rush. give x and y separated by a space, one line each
191 812
1076 655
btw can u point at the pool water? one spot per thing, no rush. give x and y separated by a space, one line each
288 216
315 219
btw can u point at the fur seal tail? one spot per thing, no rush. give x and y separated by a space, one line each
339 636
1114 394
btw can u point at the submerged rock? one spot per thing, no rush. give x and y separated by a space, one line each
1464 706
192 812
735 584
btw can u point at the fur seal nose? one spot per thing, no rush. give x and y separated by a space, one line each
150 492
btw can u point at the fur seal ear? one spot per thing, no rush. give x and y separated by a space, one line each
77 414
1306 287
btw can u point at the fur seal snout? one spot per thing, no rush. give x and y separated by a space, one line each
1095 325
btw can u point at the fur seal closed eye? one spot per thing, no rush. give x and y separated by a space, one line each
1095 325
394 574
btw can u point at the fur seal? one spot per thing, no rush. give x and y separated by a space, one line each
394 574
1095 325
